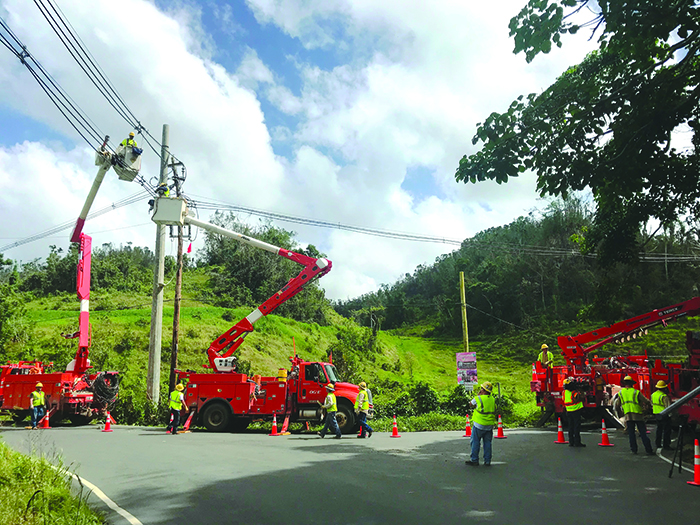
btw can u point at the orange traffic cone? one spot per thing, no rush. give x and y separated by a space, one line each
44 423
108 424
170 423
308 428
696 472
560 435
468 429
274 426
605 442
395 430
500 434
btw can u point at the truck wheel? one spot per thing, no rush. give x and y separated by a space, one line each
216 417
346 419
239 424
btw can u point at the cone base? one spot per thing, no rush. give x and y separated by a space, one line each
110 430
467 436
501 437
693 483
395 436
605 445
562 442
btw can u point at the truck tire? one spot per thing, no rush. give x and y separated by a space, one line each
216 417
346 418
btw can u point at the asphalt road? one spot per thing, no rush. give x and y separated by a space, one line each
204 478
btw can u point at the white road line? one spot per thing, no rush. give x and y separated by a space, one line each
107 501
669 461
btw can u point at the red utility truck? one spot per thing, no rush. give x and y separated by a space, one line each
600 377
225 399
75 394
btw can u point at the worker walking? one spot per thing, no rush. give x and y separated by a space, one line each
331 406
484 418
362 409
659 401
573 402
129 141
631 401
37 405
177 399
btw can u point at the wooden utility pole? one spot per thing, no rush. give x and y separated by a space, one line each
155 340
465 330
178 294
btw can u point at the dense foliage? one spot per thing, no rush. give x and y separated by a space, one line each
623 123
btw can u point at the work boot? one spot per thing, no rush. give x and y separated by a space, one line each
471 463
580 445
369 434
322 435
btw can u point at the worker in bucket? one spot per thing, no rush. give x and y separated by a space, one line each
632 401
177 399
546 358
37 405
331 406
362 409
484 418
129 141
573 402
660 400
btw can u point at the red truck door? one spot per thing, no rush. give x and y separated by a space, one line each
312 381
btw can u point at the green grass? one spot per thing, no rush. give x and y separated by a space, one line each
32 492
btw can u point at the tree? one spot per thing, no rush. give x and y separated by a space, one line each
610 123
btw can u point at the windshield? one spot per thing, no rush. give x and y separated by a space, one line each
332 373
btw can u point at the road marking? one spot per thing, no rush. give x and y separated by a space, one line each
107 501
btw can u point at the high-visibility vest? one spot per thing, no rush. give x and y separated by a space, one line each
129 142
38 398
542 358
485 411
569 402
629 397
334 403
365 401
657 401
175 401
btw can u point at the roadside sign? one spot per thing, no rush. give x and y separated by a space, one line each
466 370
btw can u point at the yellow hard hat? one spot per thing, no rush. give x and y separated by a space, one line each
131 134
629 378
567 380
544 347
661 384
487 386
39 384
362 385
179 387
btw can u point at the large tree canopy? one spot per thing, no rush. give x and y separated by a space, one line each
623 123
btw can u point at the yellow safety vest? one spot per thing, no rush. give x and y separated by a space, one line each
38 398
629 398
657 401
541 358
334 406
365 401
129 142
485 411
569 403
175 401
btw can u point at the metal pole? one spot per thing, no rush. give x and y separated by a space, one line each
154 346
178 298
465 329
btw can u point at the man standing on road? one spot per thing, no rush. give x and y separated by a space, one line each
484 418
659 401
37 405
631 401
362 409
573 402
177 399
331 406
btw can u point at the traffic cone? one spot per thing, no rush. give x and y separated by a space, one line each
44 423
308 428
274 426
560 435
468 429
500 434
167 431
395 430
108 424
696 471
605 442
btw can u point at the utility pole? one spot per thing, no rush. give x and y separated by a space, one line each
178 293
465 330
154 345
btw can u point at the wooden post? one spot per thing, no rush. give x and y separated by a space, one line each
465 329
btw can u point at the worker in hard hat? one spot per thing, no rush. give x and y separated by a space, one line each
484 418
37 404
163 190
130 141
362 409
330 404
660 400
177 400
573 402
632 402
546 357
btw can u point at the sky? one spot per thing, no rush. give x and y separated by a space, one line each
350 112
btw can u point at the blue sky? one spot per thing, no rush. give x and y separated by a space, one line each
349 112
